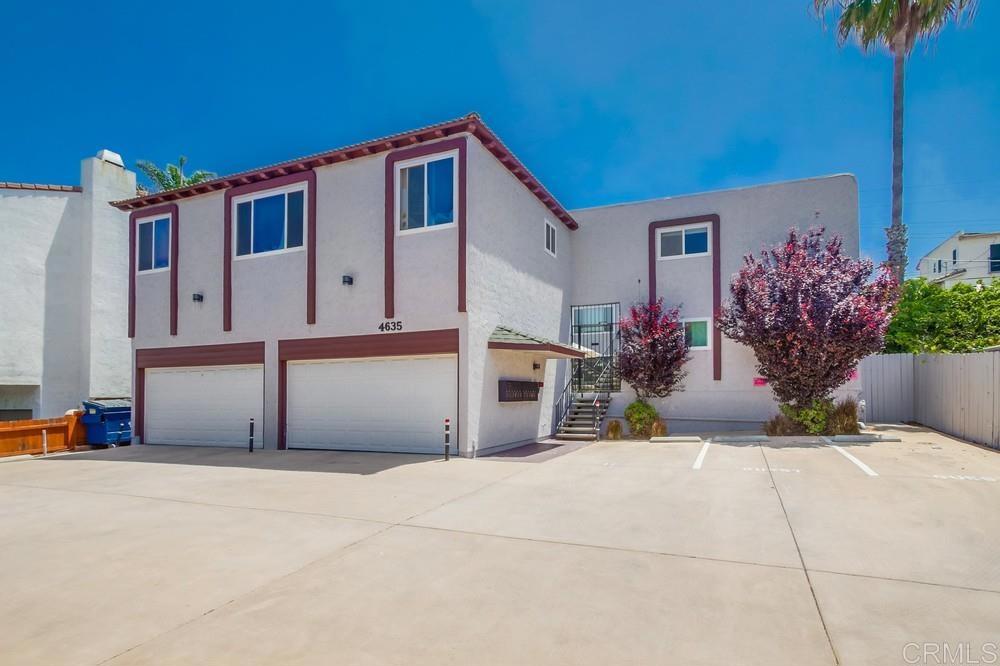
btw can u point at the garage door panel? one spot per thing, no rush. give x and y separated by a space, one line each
375 404
208 406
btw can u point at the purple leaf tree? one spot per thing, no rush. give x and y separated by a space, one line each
810 313
653 350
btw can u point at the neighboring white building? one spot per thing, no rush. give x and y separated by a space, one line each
358 298
964 257
63 291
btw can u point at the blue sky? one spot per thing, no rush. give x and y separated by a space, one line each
604 102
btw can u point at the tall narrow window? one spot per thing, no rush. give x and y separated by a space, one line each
995 258
154 244
269 222
550 238
426 193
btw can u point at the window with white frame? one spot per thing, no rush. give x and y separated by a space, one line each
426 192
550 238
690 241
270 221
153 244
696 333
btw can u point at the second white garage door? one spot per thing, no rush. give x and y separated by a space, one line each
205 406
386 404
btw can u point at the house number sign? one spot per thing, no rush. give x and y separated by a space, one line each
390 326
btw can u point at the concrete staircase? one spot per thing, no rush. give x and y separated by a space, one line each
579 422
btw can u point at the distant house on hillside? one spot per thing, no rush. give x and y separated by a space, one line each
964 257
64 291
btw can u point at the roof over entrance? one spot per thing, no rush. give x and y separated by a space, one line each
511 340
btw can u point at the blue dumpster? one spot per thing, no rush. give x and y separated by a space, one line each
108 421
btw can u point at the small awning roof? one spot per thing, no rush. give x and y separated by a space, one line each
511 340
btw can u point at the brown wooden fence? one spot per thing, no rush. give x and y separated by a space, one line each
26 437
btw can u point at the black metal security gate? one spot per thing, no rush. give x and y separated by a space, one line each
596 327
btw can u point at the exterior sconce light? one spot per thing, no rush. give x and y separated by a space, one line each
347 280
536 365
198 297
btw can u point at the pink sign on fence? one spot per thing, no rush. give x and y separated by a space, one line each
759 381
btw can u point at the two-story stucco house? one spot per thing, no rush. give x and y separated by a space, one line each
360 297
63 277
969 257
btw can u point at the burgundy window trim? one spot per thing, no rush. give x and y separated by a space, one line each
417 343
461 145
713 219
309 177
241 353
134 216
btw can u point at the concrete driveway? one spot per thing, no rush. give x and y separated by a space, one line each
615 553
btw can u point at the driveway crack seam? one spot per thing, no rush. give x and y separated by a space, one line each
805 571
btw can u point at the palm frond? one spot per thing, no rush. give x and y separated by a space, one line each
199 177
880 23
176 176
159 179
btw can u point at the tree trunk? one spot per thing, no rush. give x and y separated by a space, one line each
896 233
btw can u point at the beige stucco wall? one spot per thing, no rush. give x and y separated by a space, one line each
611 265
512 281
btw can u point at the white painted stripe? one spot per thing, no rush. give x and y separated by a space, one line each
864 468
701 456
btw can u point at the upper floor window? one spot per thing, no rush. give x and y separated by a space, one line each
954 257
550 238
696 333
270 221
427 192
153 242
692 241
995 258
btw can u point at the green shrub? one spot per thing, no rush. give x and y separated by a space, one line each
614 429
640 416
822 417
658 429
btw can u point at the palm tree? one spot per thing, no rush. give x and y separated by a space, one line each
173 176
896 25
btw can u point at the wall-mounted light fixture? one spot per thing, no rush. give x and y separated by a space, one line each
536 365
347 280
198 297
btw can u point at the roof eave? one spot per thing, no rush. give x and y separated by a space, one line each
471 124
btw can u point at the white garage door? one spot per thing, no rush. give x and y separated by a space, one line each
395 404
207 406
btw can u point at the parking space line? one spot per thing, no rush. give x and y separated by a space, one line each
864 468
701 455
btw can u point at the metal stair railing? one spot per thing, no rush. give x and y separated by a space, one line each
565 402
596 416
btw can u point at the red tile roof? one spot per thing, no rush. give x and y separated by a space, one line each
5 185
471 124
